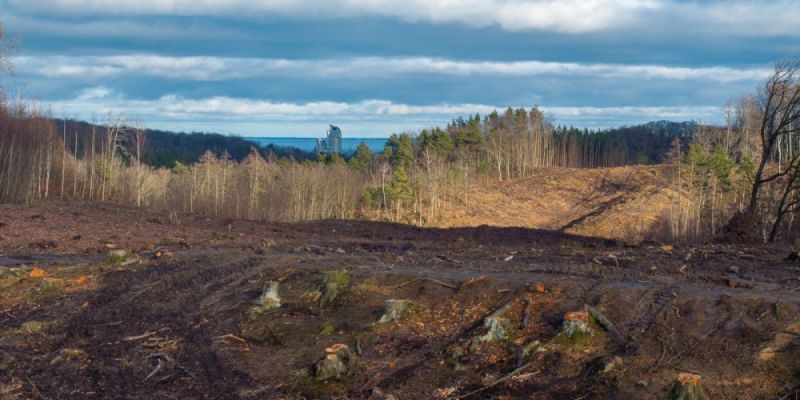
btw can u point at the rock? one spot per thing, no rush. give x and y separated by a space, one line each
269 299
576 326
336 363
687 387
733 270
642 383
333 282
378 394
340 250
613 365
395 310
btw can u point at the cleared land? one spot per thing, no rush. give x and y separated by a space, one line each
176 319
627 203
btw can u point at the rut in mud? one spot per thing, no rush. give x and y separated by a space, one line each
180 321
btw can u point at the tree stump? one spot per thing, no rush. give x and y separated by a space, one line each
269 299
336 363
395 310
333 282
687 387
576 326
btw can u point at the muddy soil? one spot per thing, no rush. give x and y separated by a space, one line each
176 315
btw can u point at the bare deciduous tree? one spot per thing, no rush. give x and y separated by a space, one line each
779 106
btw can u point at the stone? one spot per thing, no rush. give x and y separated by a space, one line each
336 363
395 310
613 365
733 270
378 394
269 299
333 282
687 387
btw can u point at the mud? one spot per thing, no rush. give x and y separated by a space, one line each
179 323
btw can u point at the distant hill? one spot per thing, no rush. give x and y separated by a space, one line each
637 144
163 148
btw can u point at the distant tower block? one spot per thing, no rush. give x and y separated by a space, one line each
331 144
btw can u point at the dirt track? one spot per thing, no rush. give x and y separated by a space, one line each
93 329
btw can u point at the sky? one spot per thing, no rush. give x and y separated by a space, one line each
374 67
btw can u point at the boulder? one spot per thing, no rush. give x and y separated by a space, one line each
395 310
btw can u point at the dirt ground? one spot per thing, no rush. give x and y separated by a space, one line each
173 311
626 203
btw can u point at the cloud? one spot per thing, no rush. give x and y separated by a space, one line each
173 110
570 16
742 17
751 17
207 68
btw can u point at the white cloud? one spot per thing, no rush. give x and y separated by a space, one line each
751 17
572 16
173 109
222 68
742 17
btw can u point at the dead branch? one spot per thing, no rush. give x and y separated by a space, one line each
155 371
493 384
138 337
606 323
231 337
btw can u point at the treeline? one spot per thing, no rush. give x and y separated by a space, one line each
164 148
414 179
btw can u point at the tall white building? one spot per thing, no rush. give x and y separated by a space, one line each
331 144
